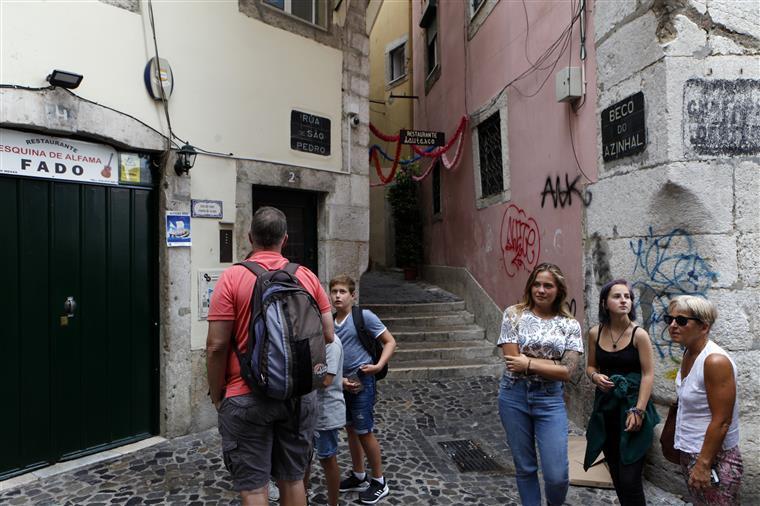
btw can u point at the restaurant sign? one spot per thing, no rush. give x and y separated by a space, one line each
35 155
422 138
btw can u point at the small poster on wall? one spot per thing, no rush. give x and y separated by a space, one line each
129 168
207 279
178 229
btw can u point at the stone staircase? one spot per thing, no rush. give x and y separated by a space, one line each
437 340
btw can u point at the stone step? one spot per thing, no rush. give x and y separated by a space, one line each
439 333
434 369
453 318
410 351
383 310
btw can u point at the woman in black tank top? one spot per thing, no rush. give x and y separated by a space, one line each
618 347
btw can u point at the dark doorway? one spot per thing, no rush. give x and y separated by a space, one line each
75 379
300 208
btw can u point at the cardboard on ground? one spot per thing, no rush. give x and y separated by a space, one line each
597 475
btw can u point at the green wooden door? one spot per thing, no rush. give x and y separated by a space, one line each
78 385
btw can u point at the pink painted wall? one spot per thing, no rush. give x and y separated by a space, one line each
473 73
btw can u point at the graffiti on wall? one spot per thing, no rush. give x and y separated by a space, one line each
666 266
563 197
520 241
571 306
721 117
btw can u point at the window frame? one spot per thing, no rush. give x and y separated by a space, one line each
429 71
390 49
497 106
477 17
287 10
474 10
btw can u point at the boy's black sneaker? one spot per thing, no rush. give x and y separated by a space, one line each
374 492
354 484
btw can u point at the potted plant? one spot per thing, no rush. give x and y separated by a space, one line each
402 197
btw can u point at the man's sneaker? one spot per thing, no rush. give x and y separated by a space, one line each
374 492
354 484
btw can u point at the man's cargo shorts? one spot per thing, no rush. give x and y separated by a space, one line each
263 437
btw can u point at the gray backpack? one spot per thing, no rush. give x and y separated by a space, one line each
285 357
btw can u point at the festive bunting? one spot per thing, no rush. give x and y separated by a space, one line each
434 154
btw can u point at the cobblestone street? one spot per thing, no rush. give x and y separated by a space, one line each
413 416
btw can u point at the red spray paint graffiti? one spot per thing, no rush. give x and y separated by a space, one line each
520 241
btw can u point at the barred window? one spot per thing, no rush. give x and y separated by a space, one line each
437 188
489 149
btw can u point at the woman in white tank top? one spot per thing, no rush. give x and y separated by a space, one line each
707 423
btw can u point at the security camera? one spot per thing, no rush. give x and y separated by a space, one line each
353 119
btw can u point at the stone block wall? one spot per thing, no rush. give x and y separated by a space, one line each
683 216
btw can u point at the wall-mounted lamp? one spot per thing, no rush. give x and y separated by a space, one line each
185 159
64 79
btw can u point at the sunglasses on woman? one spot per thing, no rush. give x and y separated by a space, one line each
681 321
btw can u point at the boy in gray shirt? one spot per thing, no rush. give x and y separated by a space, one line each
331 417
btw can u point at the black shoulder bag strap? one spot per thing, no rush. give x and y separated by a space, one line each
369 342
361 331
256 268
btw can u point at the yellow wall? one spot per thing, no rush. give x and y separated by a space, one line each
391 24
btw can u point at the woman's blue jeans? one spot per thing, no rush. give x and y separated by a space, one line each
534 412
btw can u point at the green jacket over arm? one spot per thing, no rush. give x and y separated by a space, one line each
625 394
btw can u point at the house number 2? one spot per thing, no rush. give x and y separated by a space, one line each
291 177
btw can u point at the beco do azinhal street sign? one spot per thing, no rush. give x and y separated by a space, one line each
623 128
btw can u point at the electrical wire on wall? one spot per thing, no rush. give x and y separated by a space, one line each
164 100
558 46
582 34
581 10
562 42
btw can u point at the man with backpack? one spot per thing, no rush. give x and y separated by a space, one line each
269 321
367 346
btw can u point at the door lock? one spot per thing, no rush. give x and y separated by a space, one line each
70 306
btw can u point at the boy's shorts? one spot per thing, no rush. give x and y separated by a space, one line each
261 437
326 443
360 407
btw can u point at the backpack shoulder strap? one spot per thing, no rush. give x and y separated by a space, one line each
255 267
361 330
291 268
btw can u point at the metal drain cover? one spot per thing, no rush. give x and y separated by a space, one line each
468 456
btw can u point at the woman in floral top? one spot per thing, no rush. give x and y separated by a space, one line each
541 343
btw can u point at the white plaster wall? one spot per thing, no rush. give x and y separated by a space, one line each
212 178
236 78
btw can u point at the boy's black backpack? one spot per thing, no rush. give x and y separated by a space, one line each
372 345
285 357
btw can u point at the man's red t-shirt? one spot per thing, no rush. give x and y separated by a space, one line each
231 300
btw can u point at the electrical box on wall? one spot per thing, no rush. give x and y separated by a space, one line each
568 84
